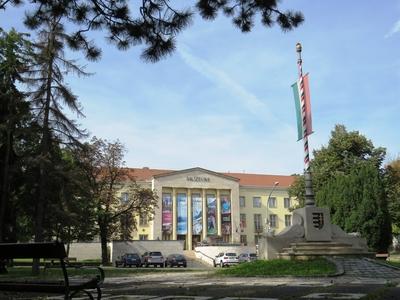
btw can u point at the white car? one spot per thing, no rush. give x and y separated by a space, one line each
226 259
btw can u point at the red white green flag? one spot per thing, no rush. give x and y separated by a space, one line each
303 110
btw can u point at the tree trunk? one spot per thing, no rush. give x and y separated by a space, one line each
44 153
103 240
5 187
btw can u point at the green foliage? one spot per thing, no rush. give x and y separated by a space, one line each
344 151
280 267
358 204
153 23
392 179
348 179
298 190
14 126
105 176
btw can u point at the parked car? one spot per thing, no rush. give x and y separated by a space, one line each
154 258
247 257
226 259
128 260
175 260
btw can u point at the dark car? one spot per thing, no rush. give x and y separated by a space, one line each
175 260
247 257
128 260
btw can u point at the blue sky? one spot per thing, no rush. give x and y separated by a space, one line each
223 100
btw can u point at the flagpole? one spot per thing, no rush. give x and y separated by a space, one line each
307 174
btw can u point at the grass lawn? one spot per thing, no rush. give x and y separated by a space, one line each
279 267
393 263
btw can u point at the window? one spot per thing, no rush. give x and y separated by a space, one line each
288 220
243 239
272 202
143 220
256 237
286 202
272 221
124 198
242 201
143 237
257 223
256 201
242 222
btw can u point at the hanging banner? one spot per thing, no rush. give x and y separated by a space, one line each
211 215
197 213
181 203
226 227
167 213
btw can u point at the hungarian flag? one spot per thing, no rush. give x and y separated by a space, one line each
301 90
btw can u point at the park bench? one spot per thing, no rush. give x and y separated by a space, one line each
51 250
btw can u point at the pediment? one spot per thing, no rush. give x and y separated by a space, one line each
196 176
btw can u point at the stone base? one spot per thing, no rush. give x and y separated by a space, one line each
311 235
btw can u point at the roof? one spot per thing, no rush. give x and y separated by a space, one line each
245 179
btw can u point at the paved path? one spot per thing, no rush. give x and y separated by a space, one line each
361 278
367 268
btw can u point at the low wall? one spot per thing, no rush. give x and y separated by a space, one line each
208 253
119 248
87 250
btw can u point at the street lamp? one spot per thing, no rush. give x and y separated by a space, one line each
276 183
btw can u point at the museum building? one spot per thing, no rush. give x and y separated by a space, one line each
197 204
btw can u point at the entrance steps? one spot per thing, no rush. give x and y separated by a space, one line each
308 250
191 257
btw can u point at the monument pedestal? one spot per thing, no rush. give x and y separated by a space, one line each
312 234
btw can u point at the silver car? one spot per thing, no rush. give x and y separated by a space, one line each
247 257
226 259
154 258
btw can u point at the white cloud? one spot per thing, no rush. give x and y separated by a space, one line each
395 29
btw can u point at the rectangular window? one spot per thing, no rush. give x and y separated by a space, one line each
256 201
143 220
288 220
257 223
256 237
143 237
286 202
273 221
242 222
243 239
242 201
272 202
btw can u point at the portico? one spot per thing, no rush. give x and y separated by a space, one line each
194 204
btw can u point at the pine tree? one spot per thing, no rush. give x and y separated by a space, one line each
154 23
14 119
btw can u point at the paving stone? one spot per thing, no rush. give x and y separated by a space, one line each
359 267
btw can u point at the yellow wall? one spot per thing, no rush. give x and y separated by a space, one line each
249 210
248 192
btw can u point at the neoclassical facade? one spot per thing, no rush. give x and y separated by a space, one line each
196 203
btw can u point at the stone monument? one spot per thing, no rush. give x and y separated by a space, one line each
312 233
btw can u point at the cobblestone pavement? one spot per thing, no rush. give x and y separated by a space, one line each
367 268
